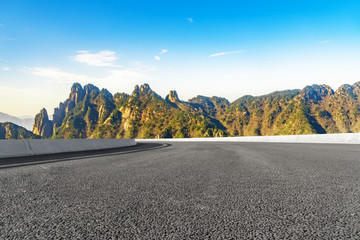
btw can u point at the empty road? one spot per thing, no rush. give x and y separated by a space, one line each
185 191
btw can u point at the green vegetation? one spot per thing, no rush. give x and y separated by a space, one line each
93 113
12 131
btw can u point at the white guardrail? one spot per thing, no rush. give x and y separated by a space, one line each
338 138
32 147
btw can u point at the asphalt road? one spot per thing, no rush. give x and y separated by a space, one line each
185 191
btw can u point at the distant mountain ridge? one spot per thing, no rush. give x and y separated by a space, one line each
25 122
93 113
10 130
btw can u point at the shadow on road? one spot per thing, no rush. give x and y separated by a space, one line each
49 158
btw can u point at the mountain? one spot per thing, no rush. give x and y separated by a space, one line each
43 126
10 130
25 122
93 113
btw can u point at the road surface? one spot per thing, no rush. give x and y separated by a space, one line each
185 191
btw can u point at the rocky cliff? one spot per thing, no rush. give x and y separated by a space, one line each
43 126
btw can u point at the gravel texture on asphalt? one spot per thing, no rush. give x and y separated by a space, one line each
185 191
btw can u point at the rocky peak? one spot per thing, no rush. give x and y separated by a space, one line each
202 101
145 88
143 91
357 84
43 126
173 97
105 98
316 92
89 88
210 101
59 114
105 92
120 96
146 91
76 87
219 101
356 88
345 89
136 91
77 93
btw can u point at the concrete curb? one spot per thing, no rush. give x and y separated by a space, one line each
340 138
32 147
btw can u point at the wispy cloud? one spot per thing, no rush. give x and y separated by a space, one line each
163 51
324 42
5 68
127 75
57 74
100 59
225 53
114 78
141 67
190 20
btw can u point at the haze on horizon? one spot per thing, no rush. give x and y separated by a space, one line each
197 48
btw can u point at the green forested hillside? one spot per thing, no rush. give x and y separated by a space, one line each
10 130
93 113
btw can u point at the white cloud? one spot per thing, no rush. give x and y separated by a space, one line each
114 79
225 53
5 68
100 59
58 75
141 67
122 80
125 75
190 20
163 51
324 42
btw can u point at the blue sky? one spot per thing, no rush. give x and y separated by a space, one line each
223 48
